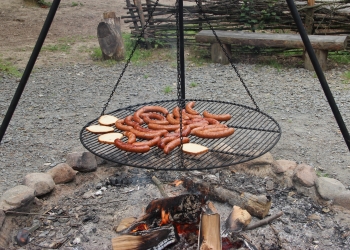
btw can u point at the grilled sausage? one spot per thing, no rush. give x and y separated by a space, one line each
120 125
221 117
189 108
146 135
129 121
150 143
165 140
214 133
130 147
175 143
145 109
169 127
131 137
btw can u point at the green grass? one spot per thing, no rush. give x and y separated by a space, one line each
319 173
273 63
8 68
74 4
168 89
193 84
56 47
346 77
198 55
340 57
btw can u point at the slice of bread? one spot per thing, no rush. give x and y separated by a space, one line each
107 120
194 149
98 129
109 138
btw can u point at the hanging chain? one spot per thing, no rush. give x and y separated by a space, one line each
130 56
179 96
227 55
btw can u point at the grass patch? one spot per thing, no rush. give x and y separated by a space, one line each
193 84
168 89
319 173
198 55
8 68
346 77
340 57
273 63
56 47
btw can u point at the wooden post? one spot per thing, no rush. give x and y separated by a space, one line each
218 55
110 37
309 27
143 21
309 18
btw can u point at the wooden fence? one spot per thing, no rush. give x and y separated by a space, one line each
322 17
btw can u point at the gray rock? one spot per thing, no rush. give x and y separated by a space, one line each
328 188
42 183
281 166
343 199
82 161
17 197
62 173
305 175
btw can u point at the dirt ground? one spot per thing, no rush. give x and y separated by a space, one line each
76 26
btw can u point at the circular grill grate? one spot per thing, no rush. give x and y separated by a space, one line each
255 134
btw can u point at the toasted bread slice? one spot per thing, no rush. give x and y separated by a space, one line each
194 149
107 120
98 129
109 138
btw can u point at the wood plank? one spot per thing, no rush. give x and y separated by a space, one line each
322 42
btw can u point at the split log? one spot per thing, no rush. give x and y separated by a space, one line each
110 37
209 237
238 219
256 205
150 239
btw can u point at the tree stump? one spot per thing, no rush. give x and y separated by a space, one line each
110 37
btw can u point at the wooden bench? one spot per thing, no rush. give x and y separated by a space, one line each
321 43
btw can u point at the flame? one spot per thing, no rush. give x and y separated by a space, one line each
182 229
165 218
140 227
177 183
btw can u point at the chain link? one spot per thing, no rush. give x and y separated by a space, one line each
130 56
227 55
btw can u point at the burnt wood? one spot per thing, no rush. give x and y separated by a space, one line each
256 205
272 40
157 238
184 209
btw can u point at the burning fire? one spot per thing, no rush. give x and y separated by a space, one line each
180 228
140 227
165 218
177 183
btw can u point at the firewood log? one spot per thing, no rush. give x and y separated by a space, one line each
256 205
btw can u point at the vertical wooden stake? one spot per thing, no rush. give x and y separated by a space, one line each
142 20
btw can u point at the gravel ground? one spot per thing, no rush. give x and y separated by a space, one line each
57 102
